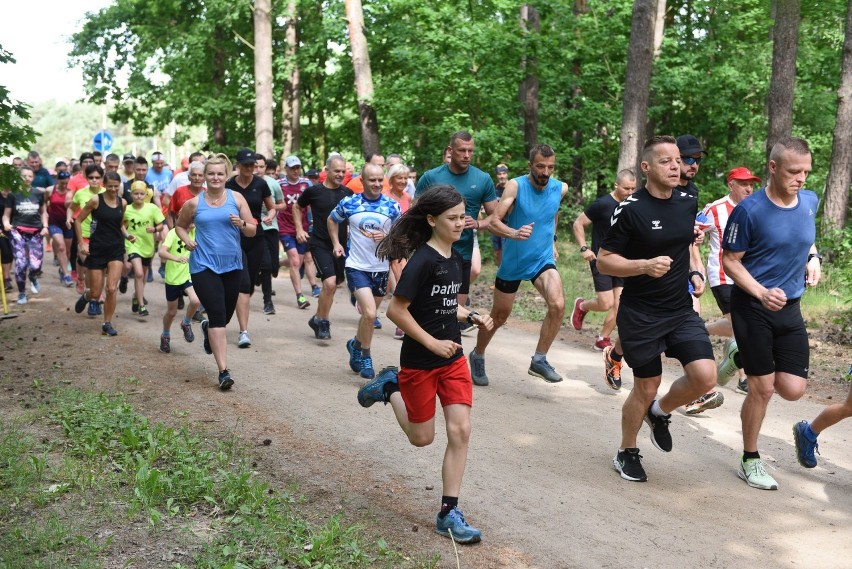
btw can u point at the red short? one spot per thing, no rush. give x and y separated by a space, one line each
418 387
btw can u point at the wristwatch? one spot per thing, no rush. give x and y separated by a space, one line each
584 248
470 316
815 256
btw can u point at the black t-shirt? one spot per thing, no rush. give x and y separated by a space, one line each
107 236
431 282
646 227
600 214
322 200
25 209
688 188
255 193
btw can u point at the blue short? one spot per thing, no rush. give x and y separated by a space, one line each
57 229
174 292
376 282
289 242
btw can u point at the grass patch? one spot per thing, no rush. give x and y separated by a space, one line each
85 478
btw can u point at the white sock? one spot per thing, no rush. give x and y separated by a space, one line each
655 409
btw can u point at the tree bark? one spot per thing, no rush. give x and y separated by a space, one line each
528 91
637 81
291 111
779 100
363 78
659 27
263 105
220 135
840 171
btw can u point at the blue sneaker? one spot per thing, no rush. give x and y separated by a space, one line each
374 391
367 371
315 291
93 309
804 447
454 526
377 324
354 356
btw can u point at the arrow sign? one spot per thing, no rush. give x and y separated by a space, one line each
102 141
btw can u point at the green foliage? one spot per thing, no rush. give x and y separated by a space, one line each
14 132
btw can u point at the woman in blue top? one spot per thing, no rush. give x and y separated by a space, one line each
220 217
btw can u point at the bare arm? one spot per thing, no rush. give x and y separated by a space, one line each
7 219
578 228
301 234
184 220
333 228
485 224
502 208
771 299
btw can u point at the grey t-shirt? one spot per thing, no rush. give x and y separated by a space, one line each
25 208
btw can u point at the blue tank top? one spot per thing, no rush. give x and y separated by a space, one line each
523 260
217 239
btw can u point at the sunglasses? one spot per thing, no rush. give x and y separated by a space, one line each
689 160
93 178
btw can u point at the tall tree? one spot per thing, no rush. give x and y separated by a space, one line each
637 81
263 105
840 171
528 91
15 132
291 106
363 78
785 40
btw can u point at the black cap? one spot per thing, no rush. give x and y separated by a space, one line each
246 156
312 173
87 156
689 145
129 157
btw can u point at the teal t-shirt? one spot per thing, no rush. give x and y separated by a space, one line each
474 185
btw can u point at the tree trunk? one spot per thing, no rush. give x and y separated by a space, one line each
840 172
637 81
659 27
220 135
363 78
785 33
528 91
291 109
263 133
581 7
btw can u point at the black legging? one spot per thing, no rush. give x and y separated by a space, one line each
269 266
253 248
218 294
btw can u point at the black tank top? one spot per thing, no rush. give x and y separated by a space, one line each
106 236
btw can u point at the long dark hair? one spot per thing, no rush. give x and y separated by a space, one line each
413 230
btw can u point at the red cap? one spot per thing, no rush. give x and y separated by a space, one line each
742 173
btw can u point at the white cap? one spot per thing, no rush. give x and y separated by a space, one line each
292 161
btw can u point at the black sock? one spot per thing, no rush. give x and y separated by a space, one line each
357 344
365 352
749 455
447 504
390 388
615 356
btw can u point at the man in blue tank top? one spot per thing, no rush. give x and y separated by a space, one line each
769 251
526 216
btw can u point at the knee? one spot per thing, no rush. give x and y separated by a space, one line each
762 390
499 317
556 306
605 303
419 439
458 433
111 288
791 391
368 313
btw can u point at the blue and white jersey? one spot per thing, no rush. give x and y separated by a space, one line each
368 220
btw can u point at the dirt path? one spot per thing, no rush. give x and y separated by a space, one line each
539 481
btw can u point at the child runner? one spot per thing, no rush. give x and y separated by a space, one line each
425 306
104 251
175 256
370 216
143 220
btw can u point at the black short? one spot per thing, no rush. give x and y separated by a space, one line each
511 287
146 261
465 285
253 248
6 255
770 341
174 292
100 259
644 337
326 263
722 294
602 282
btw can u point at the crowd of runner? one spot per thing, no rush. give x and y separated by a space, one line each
221 229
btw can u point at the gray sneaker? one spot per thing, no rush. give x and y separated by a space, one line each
742 386
545 371
244 341
727 368
477 369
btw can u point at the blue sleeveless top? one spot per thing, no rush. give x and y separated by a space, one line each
217 239
523 260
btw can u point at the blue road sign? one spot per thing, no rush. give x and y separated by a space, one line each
102 141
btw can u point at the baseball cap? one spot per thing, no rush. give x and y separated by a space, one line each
292 161
743 173
688 145
246 156
501 168
129 157
63 175
312 173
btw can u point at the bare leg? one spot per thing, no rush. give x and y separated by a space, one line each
635 407
419 434
112 276
60 252
549 284
760 390
457 418
699 378
501 308
295 262
139 273
243 305
833 414
326 297
609 321
169 316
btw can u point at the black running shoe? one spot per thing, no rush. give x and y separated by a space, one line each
324 330
205 324
165 344
108 330
225 380
122 285
660 435
80 305
314 324
628 463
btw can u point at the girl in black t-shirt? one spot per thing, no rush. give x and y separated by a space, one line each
425 307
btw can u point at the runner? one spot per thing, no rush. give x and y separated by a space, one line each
502 173
61 231
25 221
270 264
526 216
648 245
216 261
95 176
805 434
175 255
104 249
292 186
370 215
607 288
432 362
142 220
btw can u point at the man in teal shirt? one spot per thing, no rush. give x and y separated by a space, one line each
477 189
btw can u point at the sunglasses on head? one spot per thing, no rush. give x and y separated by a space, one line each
689 160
